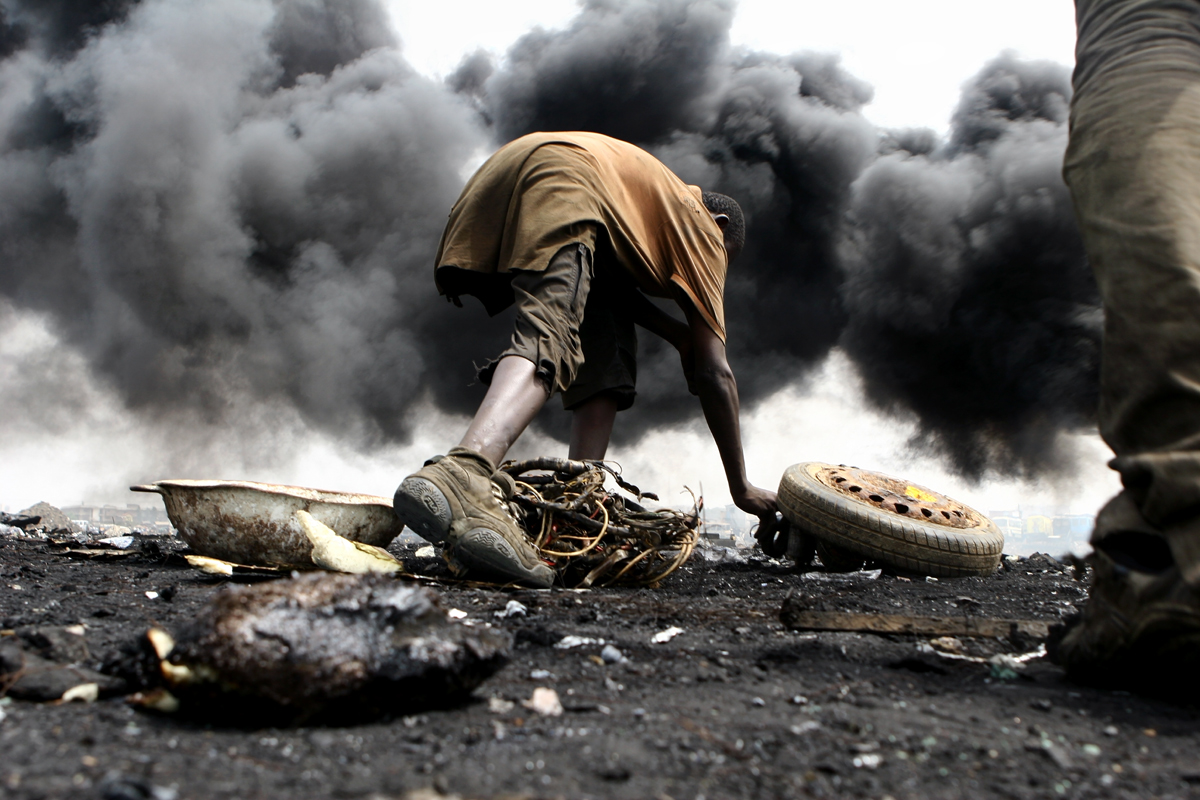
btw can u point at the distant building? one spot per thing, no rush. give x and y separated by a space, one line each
129 516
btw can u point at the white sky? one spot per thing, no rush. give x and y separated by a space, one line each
916 53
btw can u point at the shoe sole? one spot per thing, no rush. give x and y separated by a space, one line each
423 508
488 552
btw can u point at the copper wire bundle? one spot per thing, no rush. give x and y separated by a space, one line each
594 537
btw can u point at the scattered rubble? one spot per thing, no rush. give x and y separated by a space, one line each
20 521
738 706
48 518
47 664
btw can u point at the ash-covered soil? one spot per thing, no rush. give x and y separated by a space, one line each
734 706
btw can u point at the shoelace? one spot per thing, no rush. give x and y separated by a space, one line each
498 496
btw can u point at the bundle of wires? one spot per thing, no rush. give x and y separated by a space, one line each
593 536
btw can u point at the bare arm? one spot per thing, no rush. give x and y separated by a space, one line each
715 384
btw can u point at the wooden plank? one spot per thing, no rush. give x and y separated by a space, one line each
803 620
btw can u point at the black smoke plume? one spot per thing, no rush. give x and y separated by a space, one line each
239 201
969 297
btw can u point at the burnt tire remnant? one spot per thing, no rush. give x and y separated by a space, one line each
866 516
326 648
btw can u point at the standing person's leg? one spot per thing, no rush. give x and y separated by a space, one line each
1133 166
606 381
460 499
515 397
592 426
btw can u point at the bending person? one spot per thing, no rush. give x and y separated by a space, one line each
576 229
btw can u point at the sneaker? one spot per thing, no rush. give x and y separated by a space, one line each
460 500
1139 631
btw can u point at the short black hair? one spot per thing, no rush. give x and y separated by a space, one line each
735 230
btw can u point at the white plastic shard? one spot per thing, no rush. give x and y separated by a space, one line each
162 642
667 635
211 566
332 552
84 693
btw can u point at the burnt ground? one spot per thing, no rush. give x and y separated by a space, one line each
735 706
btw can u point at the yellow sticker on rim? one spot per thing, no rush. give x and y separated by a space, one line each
920 494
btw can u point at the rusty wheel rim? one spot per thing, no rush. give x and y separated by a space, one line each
903 498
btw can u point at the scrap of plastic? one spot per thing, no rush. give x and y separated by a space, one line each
665 636
514 608
332 552
568 642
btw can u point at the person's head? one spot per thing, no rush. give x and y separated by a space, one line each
728 216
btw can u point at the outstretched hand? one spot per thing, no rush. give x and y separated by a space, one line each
759 502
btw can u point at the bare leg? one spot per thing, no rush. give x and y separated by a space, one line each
591 427
512 401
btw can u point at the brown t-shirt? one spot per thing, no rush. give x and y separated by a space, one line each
544 191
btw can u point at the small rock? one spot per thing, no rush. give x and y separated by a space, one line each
1111 730
426 552
498 705
544 702
808 726
758 701
1042 705
868 761
116 786
611 655
721 555
541 675
614 773
1004 667
512 609
947 644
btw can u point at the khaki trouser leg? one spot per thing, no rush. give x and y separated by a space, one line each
1133 166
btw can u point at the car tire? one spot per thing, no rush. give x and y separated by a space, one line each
853 513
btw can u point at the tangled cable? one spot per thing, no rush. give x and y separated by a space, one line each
593 537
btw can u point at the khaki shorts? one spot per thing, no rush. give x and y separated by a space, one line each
571 323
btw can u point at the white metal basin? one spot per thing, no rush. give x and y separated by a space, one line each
255 523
